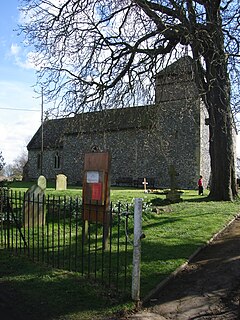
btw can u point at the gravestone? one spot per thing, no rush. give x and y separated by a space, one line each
34 213
61 182
173 195
42 182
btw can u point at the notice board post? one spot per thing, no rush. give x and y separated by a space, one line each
96 192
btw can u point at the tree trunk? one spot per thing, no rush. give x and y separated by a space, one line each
223 179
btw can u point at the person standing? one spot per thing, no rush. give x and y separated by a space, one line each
200 186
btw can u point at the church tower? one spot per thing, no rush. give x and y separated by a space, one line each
184 125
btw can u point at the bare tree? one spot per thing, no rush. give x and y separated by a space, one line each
7 171
2 163
15 169
97 53
18 164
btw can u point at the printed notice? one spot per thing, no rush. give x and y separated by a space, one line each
92 176
96 191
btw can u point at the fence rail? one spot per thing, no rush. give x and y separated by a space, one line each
50 229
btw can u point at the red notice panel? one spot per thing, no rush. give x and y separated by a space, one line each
96 191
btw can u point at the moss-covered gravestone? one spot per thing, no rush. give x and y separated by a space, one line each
34 212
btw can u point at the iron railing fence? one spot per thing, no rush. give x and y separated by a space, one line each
50 229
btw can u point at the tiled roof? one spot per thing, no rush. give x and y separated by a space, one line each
107 120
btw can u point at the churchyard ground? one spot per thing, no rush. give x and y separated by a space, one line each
173 232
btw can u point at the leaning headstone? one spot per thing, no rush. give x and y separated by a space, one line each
34 213
42 182
61 182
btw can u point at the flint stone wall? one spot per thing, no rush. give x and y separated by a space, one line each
143 141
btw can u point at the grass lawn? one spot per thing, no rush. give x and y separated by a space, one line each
173 232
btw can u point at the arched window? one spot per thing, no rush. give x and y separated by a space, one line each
57 161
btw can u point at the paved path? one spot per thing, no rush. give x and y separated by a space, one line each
208 288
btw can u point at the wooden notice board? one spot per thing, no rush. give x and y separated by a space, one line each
96 187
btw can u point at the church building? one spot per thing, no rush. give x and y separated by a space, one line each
143 141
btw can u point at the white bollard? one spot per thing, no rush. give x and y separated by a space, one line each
137 249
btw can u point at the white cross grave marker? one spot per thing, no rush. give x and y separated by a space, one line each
145 185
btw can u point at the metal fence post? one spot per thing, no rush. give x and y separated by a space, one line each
137 250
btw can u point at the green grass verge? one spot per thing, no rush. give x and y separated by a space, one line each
171 238
37 292
173 233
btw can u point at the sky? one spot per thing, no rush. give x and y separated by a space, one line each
20 106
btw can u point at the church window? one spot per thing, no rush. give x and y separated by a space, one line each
57 161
